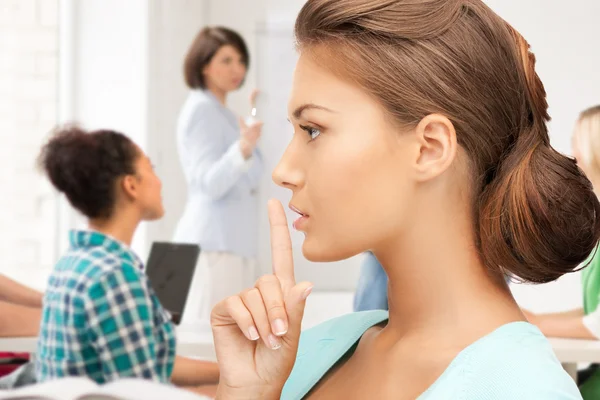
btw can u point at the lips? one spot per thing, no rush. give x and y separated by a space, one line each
301 222
298 211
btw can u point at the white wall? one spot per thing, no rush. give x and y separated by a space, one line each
28 99
109 64
174 23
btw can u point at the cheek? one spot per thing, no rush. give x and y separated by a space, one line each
354 195
154 188
226 71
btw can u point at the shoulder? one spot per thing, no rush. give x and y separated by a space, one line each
322 346
516 361
101 272
199 107
88 264
345 326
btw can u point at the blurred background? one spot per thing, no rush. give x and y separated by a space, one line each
118 64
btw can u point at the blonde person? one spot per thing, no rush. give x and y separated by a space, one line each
420 135
582 323
222 166
100 317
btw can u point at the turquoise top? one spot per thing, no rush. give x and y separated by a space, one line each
101 318
513 362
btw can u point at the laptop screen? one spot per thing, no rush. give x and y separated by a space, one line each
170 269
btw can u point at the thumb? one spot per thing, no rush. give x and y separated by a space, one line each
295 304
242 123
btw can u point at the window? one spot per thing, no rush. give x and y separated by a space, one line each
28 109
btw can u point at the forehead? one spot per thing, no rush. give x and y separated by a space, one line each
314 83
227 50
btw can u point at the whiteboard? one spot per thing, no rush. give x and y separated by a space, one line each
275 59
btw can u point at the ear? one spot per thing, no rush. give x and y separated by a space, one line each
437 146
130 186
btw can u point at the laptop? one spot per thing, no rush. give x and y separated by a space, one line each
170 269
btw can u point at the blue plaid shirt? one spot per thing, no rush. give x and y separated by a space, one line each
101 318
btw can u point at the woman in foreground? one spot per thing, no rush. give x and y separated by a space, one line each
420 135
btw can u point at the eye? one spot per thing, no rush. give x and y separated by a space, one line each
313 133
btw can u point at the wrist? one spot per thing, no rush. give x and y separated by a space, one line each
38 300
246 149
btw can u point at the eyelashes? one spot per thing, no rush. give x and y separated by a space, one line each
313 133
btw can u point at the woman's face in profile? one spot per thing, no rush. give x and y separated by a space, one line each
226 70
150 188
347 165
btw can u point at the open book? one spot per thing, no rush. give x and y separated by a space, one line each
86 389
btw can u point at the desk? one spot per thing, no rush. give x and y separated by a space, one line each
200 345
572 351
18 345
189 344
196 345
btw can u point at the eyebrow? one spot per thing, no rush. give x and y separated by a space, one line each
309 106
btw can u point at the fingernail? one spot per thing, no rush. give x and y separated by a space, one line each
306 293
253 333
274 342
279 328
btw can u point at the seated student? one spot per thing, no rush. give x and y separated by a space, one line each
101 317
20 309
582 323
420 134
371 290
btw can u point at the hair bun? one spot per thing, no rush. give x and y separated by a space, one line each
539 218
85 165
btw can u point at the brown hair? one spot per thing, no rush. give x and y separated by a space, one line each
535 213
204 47
85 166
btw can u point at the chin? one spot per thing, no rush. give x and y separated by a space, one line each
322 252
155 215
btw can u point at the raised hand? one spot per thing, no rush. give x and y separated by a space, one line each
256 332
249 135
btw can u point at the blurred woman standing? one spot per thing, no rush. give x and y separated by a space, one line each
222 166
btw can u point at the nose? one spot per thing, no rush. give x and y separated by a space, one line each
288 173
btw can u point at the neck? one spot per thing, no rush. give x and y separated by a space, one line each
120 226
221 95
438 284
